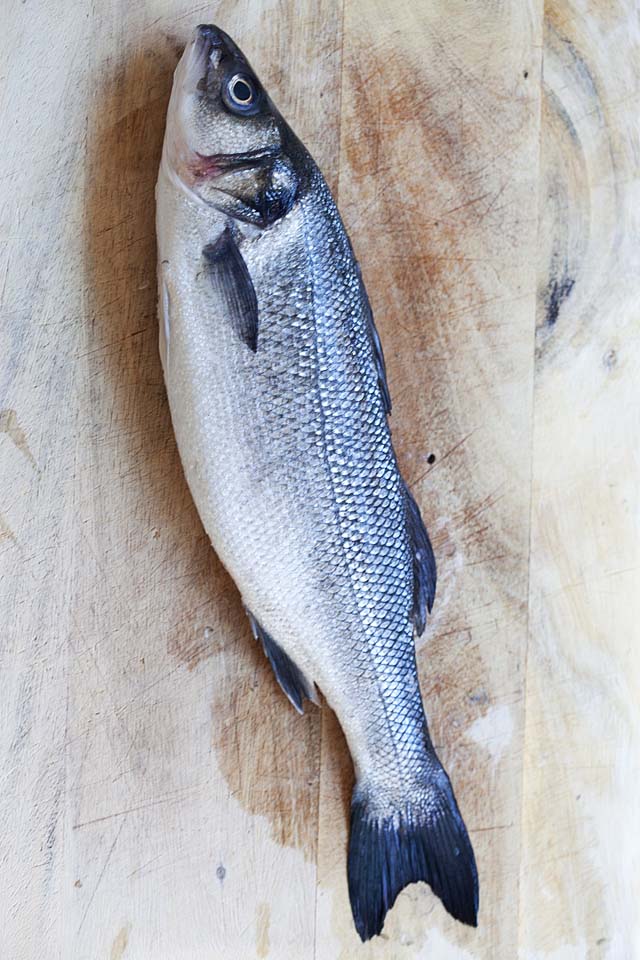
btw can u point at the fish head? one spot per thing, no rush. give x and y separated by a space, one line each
226 143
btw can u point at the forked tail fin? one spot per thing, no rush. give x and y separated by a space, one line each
425 839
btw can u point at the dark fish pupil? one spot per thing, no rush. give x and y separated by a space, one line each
242 91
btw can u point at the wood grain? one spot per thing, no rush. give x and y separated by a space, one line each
159 796
580 887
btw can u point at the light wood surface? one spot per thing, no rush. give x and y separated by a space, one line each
160 799
580 884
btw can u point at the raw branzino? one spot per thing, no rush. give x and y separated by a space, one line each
279 402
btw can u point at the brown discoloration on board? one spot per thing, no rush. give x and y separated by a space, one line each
194 640
10 425
119 944
268 753
6 533
263 923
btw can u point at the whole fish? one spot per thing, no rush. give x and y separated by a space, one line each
279 401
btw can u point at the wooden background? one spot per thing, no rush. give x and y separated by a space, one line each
159 798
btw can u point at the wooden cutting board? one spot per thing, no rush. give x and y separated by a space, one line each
160 798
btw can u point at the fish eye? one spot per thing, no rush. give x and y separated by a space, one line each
241 92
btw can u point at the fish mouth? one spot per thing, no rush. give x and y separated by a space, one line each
208 37
215 164
209 44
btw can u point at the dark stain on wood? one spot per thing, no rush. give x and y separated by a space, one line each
268 754
575 118
6 533
557 292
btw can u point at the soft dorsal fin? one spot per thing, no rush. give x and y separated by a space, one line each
424 563
376 346
290 677
232 282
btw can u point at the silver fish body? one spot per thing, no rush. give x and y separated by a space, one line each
279 402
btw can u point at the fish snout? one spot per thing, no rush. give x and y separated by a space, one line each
207 37
202 56
209 34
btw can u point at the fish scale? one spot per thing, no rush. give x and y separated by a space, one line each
279 401
364 478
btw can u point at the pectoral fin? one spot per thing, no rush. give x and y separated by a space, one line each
292 680
232 282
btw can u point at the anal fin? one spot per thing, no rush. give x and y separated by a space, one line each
293 681
424 563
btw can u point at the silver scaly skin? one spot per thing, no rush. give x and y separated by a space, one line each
279 403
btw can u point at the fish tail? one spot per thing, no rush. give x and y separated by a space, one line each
421 838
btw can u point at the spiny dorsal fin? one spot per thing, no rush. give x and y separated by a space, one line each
232 282
292 680
378 356
424 563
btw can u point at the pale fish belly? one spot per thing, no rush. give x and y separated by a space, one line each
249 430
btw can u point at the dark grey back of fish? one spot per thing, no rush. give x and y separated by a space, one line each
387 588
